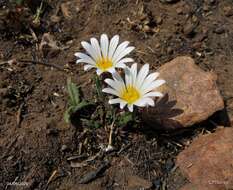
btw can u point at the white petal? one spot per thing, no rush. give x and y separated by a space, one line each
117 84
122 62
104 42
112 70
96 46
134 74
121 65
153 85
117 77
120 49
144 102
114 84
124 53
153 94
115 101
90 50
84 58
142 75
86 61
88 67
130 107
113 45
149 79
99 72
128 75
110 91
123 104
149 101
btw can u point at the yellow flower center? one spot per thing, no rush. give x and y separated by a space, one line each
104 64
130 94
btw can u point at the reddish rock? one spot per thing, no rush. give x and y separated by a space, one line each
198 187
190 96
208 161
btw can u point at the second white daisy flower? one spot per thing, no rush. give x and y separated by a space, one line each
138 88
106 55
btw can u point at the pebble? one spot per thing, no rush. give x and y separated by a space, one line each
159 20
228 11
64 147
189 28
219 30
169 1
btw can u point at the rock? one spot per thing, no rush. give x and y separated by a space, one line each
208 160
135 182
189 29
198 187
190 96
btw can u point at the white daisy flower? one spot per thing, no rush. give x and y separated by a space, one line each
106 55
137 89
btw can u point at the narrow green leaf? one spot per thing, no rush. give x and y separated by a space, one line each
19 2
82 105
124 119
73 92
67 114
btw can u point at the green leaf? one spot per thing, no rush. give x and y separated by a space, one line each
74 93
82 105
19 2
124 119
67 114
91 123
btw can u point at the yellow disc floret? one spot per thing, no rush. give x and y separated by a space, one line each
104 64
130 94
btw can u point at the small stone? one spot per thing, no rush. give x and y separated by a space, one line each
190 96
228 11
3 92
208 160
206 8
219 30
179 10
196 45
158 45
189 29
157 183
169 1
211 1
64 148
159 20
169 50
136 182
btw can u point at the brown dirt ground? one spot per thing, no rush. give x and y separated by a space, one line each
32 150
